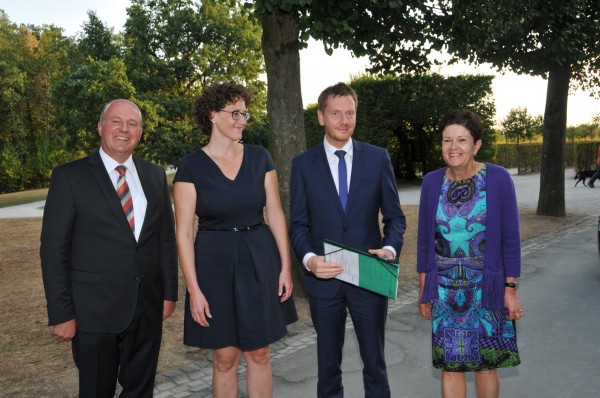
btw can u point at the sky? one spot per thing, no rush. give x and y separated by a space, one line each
317 69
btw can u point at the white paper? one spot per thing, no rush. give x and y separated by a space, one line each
348 259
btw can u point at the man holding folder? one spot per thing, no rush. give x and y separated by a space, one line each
338 189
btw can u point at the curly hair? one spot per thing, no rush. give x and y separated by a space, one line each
469 120
214 98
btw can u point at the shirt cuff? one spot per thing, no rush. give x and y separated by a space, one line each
390 248
307 257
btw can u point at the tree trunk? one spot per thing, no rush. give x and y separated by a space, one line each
284 104
551 201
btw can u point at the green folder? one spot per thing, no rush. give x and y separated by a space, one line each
363 269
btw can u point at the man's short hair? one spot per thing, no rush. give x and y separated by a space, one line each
337 90
109 104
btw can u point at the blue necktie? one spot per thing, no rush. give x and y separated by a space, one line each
342 177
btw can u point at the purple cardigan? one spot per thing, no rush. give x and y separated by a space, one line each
502 256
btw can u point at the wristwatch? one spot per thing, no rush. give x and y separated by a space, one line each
514 285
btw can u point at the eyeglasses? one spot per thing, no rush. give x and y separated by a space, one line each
237 114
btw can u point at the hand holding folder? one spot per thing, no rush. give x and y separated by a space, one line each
363 269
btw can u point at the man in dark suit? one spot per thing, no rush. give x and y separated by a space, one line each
109 259
344 210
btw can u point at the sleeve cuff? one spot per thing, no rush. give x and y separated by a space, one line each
390 248
307 257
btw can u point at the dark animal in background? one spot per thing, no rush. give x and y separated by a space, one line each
581 175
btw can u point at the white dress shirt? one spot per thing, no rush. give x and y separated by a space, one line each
334 161
135 187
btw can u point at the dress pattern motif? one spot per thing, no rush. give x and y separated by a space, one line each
466 336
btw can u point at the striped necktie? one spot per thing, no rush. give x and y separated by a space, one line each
125 196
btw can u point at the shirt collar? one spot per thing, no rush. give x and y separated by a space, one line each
110 163
330 149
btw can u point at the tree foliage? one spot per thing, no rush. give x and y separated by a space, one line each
97 41
526 36
52 87
81 94
582 131
32 60
390 33
557 40
520 125
174 48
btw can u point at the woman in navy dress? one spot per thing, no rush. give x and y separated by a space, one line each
237 269
469 260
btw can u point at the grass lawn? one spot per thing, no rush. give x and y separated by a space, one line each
34 195
20 198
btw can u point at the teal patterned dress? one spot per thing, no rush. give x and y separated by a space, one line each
466 336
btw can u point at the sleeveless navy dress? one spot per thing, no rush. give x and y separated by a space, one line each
237 271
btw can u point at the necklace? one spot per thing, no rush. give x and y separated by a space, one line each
220 161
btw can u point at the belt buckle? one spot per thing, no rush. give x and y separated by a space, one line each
236 229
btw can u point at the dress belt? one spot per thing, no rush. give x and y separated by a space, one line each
234 229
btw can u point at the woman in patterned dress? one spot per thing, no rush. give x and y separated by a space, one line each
469 262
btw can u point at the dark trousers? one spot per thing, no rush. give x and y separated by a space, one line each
130 356
595 176
368 312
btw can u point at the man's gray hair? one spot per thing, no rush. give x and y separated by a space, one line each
108 105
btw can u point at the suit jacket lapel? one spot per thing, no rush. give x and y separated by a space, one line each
357 173
324 172
146 181
98 171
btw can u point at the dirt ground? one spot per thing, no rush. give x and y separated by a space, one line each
34 365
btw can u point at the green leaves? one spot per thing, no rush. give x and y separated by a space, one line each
53 87
175 48
519 124
81 94
525 36
97 40
33 59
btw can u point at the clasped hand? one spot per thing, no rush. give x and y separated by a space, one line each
323 269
